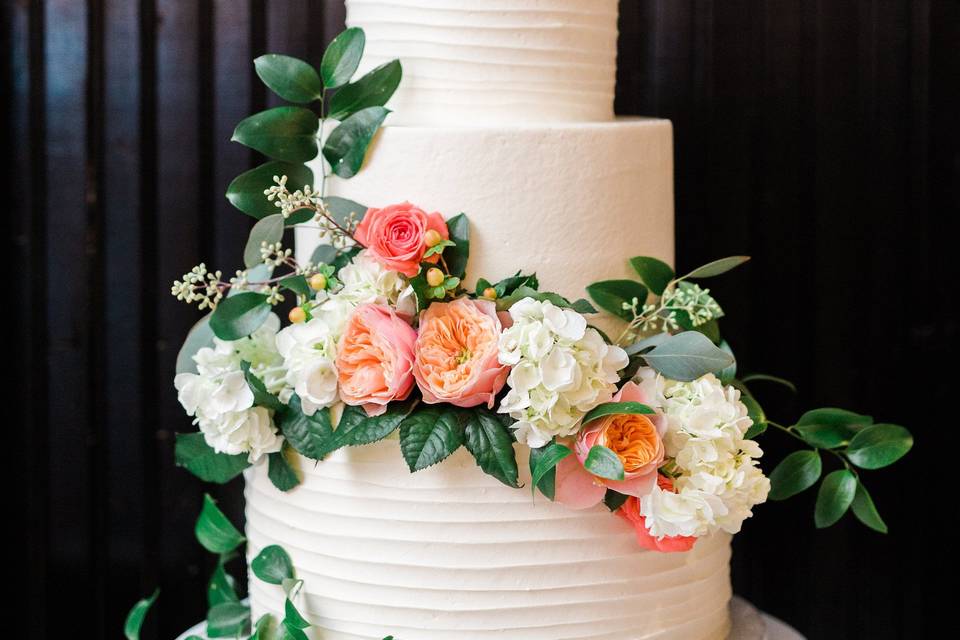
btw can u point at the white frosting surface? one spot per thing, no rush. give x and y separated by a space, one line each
572 202
450 553
494 61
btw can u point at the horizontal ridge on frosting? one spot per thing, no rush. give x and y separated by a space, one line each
494 62
381 552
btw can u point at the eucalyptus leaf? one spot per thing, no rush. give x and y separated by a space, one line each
717 267
835 497
267 230
194 454
654 274
612 295
200 336
342 57
428 435
646 343
136 616
228 620
347 145
797 472
879 445
865 511
687 356
374 89
281 471
604 463
281 133
290 78
240 315
756 415
491 445
728 374
617 408
308 435
245 192
323 254
456 257
214 531
272 565
543 463
344 210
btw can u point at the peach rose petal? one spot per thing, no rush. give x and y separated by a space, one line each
575 487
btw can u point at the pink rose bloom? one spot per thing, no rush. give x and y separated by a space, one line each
393 236
375 358
456 353
636 439
630 511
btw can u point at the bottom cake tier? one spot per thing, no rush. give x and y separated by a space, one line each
449 552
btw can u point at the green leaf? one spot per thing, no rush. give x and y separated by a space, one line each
240 315
491 445
200 336
525 291
687 356
611 295
134 621
717 267
728 374
264 629
344 210
357 428
456 257
879 445
292 617
347 145
309 435
220 587
272 565
833 416
646 343
614 500
604 463
261 397
290 78
194 454
269 230
543 463
228 620
246 190
282 133
280 471
756 414
374 89
763 377
342 57
298 284
865 511
834 498
797 472
655 274
509 285
428 435
616 408
825 436
710 328
214 531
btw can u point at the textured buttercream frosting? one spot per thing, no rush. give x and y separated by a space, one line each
497 61
450 553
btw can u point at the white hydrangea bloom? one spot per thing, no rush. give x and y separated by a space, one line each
308 351
366 281
560 370
711 459
249 431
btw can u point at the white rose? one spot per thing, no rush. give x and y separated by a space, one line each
250 431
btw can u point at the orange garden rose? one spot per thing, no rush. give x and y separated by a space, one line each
456 353
394 236
635 438
375 358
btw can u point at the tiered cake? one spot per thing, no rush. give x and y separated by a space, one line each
505 113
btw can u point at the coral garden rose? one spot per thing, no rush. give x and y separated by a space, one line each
630 511
394 236
456 355
375 358
636 439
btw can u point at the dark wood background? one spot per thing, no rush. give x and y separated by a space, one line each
819 137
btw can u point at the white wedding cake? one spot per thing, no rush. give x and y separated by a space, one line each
505 112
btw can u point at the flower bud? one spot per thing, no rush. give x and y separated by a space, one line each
318 281
297 315
435 277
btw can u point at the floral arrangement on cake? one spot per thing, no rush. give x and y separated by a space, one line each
386 339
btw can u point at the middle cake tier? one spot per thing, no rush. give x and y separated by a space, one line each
571 202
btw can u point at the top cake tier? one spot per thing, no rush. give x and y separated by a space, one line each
494 61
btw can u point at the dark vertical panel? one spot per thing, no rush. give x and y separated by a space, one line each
68 303
119 200
176 227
